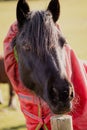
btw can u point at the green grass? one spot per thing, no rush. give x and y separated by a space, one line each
10 119
73 22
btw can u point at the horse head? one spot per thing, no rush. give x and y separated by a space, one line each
40 49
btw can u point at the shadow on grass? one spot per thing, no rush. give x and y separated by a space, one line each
15 127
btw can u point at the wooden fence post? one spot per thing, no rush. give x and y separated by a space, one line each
62 122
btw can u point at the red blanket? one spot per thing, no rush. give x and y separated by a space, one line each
31 105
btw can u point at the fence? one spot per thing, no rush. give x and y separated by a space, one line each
62 122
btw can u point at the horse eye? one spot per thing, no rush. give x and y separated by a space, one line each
26 47
29 15
62 41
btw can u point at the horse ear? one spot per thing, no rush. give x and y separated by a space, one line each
54 8
22 12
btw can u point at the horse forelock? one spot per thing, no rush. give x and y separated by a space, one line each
39 31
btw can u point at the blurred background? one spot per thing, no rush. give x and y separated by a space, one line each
73 23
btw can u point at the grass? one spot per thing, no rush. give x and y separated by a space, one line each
10 119
73 22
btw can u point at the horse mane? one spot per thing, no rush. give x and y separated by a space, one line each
41 32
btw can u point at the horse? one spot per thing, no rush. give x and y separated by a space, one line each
4 79
39 46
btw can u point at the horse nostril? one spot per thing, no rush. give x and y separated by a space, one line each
66 95
72 95
54 91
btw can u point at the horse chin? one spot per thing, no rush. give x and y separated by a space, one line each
60 109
